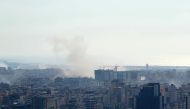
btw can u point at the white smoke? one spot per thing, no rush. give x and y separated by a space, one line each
2 64
71 52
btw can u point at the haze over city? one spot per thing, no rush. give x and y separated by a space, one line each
116 32
94 54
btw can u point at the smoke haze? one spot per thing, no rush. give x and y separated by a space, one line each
71 53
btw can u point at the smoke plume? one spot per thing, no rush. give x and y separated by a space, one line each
72 54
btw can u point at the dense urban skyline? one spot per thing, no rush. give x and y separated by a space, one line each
94 54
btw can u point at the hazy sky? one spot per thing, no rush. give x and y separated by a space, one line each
124 32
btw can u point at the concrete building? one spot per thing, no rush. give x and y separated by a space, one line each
109 75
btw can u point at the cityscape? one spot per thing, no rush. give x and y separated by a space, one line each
94 54
136 87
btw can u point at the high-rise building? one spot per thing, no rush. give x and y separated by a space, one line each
187 101
109 75
150 97
41 102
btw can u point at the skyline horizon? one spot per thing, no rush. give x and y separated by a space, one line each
101 32
52 61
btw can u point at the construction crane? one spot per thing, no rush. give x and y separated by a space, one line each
115 68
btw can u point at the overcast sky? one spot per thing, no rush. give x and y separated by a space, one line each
123 32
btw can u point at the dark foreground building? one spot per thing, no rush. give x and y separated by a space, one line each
150 97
